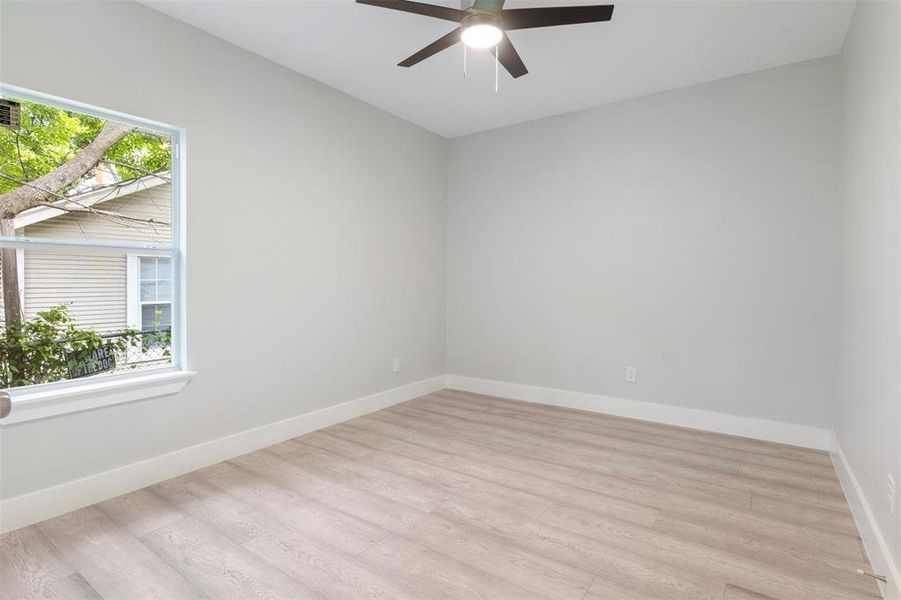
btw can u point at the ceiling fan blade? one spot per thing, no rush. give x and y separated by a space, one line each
509 57
429 10
435 47
526 18
494 6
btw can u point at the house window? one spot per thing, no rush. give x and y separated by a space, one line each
96 258
156 293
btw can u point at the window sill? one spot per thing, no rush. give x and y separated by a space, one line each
35 403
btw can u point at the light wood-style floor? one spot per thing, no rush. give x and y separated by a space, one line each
455 495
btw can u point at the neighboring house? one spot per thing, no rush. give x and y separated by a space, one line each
105 292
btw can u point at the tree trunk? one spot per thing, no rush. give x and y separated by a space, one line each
12 307
12 304
46 187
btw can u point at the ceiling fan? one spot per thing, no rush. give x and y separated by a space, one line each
486 23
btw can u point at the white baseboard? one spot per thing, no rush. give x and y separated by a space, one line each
875 543
47 503
762 429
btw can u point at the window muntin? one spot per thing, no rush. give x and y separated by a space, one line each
76 247
156 293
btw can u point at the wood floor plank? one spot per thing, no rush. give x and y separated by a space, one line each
705 512
505 482
392 516
73 587
322 568
328 572
221 568
616 564
236 520
743 570
437 575
714 439
688 465
839 521
464 484
838 571
439 463
324 440
628 490
307 514
472 546
511 477
656 439
141 511
609 467
422 494
304 480
114 562
456 496
28 563
602 589
737 593
540 573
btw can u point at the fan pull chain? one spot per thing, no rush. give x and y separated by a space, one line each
496 61
464 61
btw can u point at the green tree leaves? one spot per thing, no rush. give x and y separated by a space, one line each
51 136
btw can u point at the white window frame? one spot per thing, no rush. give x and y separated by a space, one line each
134 305
20 275
54 399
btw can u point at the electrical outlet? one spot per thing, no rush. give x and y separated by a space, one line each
397 365
631 374
891 494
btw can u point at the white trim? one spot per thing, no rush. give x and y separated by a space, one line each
47 503
762 429
134 305
20 273
75 246
87 199
878 551
101 113
179 253
42 401
133 290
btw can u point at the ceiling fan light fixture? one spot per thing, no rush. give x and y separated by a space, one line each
481 31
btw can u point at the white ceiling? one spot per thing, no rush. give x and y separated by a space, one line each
648 47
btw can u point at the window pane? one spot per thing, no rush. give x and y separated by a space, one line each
74 301
148 268
164 269
164 290
126 197
148 291
156 316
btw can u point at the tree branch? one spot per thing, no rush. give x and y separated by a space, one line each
19 152
83 208
42 188
100 212
136 168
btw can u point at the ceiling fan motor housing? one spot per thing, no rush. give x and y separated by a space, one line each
481 18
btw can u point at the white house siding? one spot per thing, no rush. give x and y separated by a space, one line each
94 285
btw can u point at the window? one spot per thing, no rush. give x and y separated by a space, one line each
149 292
156 293
96 262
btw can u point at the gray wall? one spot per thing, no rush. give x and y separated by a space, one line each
316 233
868 408
693 234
